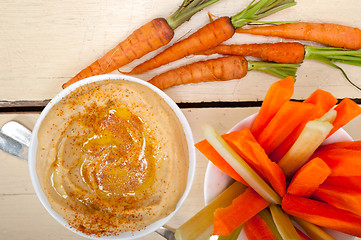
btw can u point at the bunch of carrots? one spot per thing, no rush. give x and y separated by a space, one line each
343 42
283 174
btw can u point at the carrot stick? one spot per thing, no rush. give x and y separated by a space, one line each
212 34
346 182
343 162
257 229
351 145
220 69
207 150
143 40
243 208
308 178
326 33
322 214
244 143
323 101
346 111
282 52
288 117
279 93
348 200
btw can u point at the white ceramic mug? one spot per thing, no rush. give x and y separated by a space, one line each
34 144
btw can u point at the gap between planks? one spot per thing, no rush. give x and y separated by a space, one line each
37 106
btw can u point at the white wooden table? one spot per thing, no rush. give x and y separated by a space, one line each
44 43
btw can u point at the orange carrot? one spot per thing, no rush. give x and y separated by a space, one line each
279 93
343 162
282 52
345 182
323 101
309 178
322 214
244 143
348 200
220 69
346 111
207 37
292 52
212 34
257 229
243 208
145 39
326 33
207 150
352 145
288 117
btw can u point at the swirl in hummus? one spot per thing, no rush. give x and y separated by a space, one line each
112 157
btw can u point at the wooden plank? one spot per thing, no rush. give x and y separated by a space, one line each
43 44
23 217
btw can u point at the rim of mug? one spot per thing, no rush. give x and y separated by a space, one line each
34 143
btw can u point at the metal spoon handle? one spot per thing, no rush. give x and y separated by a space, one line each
15 139
17 131
14 147
166 232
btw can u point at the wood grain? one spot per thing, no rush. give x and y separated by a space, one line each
45 43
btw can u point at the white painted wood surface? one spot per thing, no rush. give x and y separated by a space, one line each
45 43
23 217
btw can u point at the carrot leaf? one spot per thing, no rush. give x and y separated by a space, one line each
186 10
240 166
281 70
329 55
263 8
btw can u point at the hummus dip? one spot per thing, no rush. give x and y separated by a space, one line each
112 157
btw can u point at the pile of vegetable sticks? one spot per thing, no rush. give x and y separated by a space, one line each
312 184
343 43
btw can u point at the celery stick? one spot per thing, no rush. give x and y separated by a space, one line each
200 226
240 166
234 235
267 217
284 224
309 140
313 231
330 116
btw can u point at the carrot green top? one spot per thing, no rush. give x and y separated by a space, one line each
186 10
263 8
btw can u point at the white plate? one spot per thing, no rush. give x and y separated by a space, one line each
217 181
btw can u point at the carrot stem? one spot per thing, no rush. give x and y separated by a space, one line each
186 11
281 70
260 9
329 55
